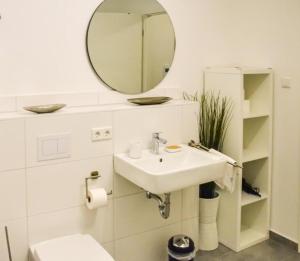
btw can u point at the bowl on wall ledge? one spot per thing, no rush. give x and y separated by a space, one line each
47 108
149 100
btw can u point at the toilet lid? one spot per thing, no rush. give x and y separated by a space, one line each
75 248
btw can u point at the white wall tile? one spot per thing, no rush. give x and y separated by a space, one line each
78 125
190 227
7 103
123 187
17 231
139 124
12 195
61 186
12 149
190 122
111 97
98 223
135 214
110 248
175 93
190 202
150 246
70 99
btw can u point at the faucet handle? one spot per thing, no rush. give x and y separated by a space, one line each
156 134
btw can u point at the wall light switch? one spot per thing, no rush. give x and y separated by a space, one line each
56 146
286 82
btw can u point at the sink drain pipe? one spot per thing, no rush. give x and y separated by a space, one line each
163 205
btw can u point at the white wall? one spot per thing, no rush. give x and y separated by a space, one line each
43 50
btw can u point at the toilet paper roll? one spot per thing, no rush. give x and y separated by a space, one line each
97 198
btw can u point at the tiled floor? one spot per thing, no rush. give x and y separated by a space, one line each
271 250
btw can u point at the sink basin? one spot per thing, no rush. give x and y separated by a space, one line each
169 172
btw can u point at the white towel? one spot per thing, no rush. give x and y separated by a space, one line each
228 180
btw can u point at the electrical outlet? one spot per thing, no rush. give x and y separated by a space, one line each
104 133
96 134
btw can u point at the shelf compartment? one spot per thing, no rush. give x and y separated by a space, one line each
250 237
254 224
248 199
257 174
257 89
256 138
252 115
250 155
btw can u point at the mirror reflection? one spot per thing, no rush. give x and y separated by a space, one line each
131 44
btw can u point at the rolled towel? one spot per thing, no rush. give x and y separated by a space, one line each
227 182
223 156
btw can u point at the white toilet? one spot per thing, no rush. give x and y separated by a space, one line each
70 248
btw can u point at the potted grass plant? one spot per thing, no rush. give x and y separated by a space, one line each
213 121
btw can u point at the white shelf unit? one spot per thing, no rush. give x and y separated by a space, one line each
255 115
244 219
248 199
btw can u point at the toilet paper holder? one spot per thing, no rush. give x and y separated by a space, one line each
94 175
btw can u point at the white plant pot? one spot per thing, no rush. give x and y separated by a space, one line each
208 233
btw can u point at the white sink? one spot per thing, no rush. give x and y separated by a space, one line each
169 172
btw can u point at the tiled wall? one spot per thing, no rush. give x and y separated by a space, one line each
43 200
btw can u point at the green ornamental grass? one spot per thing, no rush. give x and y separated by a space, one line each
214 117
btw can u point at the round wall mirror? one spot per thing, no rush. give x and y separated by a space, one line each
131 44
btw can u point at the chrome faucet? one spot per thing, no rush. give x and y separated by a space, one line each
156 140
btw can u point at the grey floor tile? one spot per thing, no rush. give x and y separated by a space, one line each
243 257
270 250
208 258
220 251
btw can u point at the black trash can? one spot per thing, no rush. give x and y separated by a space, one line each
181 248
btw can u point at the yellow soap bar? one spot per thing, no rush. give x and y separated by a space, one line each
173 148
